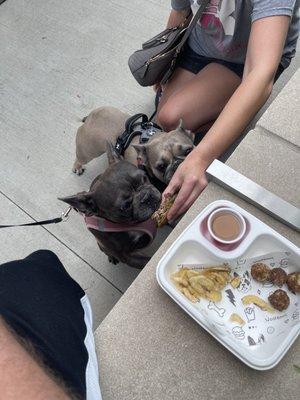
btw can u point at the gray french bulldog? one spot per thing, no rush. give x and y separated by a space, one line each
122 194
160 156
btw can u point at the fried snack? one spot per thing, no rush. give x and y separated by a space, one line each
260 272
181 281
220 277
236 318
278 276
249 299
160 215
214 295
189 295
279 300
204 283
293 282
235 282
192 272
198 289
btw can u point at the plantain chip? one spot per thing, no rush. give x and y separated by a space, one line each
249 299
235 282
214 295
202 282
236 318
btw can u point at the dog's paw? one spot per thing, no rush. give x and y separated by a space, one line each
78 171
113 260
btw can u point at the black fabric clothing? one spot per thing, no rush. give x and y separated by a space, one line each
193 62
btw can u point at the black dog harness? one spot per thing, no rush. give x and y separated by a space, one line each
133 127
145 129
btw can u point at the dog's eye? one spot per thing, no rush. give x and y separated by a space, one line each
187 151
125 205
161 167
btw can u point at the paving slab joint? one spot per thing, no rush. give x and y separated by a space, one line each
269 133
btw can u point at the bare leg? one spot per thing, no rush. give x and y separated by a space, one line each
199 99
178 81
22 377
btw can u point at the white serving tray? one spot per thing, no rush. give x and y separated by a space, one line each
265 338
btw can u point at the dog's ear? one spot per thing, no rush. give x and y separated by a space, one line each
141 151
181 128
83 202
112 155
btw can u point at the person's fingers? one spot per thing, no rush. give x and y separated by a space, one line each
188 203
183 195
172 187
191 199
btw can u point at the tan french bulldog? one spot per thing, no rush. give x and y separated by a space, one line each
160 156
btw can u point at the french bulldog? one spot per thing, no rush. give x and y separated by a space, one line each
123 195
160 156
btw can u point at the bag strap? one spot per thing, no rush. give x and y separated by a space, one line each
192 24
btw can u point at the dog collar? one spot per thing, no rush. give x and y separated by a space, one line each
103 225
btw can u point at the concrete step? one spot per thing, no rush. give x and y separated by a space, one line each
282 118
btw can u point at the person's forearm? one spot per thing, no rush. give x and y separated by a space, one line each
240 109
176 17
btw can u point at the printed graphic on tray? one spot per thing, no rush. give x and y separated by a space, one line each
218 310
251 300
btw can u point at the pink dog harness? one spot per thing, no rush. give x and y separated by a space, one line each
103 225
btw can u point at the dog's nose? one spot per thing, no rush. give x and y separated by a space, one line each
146 198
176 163
171 169
150 198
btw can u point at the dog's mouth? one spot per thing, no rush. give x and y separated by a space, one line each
170 171
146 205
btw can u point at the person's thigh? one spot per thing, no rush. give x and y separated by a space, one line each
179 78
200 99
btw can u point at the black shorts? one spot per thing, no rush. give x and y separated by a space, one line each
193 62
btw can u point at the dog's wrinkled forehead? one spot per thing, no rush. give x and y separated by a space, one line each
119 176
121 181
174 144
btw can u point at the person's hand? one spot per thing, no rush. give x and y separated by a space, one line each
189 181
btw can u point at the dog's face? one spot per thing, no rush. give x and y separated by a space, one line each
165 151
122 194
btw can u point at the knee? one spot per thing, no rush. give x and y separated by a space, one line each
168 117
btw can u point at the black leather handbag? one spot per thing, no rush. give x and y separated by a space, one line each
156 61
